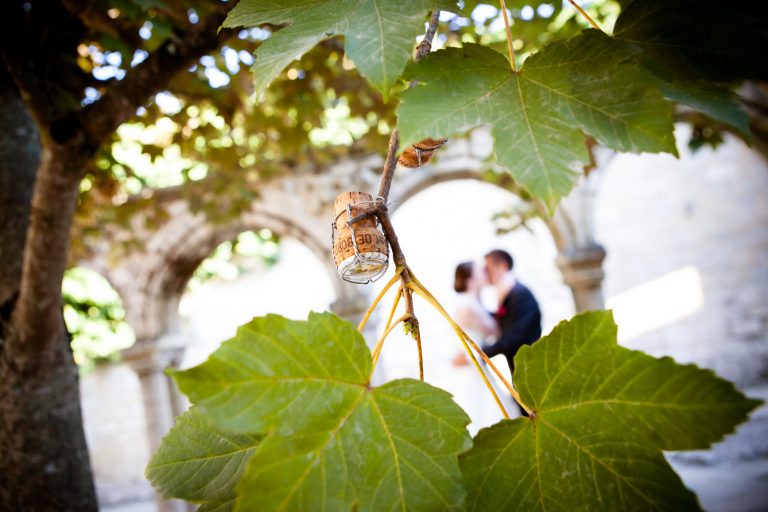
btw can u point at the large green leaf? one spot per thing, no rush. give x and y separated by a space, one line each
603 415
693 45
332 441
380 34
589 83
703 39
200 462
252 382
394 448
712 99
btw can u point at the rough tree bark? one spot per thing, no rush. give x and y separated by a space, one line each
44 462
44 459
19 158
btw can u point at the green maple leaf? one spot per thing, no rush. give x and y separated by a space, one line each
709 98
603 415
331 440
379 34
589 84
695 47
700 38
200 462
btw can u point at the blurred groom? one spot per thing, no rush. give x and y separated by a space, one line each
518 315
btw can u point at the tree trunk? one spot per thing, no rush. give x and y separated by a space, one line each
19 158
44 462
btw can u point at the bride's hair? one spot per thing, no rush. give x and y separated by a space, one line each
463 274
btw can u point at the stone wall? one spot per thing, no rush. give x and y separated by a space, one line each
687 264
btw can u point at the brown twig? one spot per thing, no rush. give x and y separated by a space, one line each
381 212
389 165
410 284
426 44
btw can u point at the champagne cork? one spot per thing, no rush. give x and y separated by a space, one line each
372 248
340 205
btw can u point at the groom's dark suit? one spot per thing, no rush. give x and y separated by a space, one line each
520 321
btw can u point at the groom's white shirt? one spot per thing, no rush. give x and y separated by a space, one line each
506 284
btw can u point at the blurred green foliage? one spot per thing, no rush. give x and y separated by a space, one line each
251 250
95 318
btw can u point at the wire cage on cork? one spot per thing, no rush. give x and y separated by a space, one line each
360 250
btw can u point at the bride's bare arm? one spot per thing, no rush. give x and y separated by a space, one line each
487 323
477 319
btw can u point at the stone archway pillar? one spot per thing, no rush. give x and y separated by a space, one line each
162 401
582 269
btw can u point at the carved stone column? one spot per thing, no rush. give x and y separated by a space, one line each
582 269
162 402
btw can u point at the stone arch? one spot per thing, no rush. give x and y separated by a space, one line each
162 285
151 281
561 227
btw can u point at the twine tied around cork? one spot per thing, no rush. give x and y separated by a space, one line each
367 236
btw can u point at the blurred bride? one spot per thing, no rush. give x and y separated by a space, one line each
480 324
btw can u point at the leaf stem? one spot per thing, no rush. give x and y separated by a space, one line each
378 298
421 357
380 343
509 36
398 296
459 331
584 14
431 300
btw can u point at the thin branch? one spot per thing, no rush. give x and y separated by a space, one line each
509 37
381 212
120 101
389 165
394 139
426 44
372 212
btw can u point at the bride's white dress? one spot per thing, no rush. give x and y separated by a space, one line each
468 388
